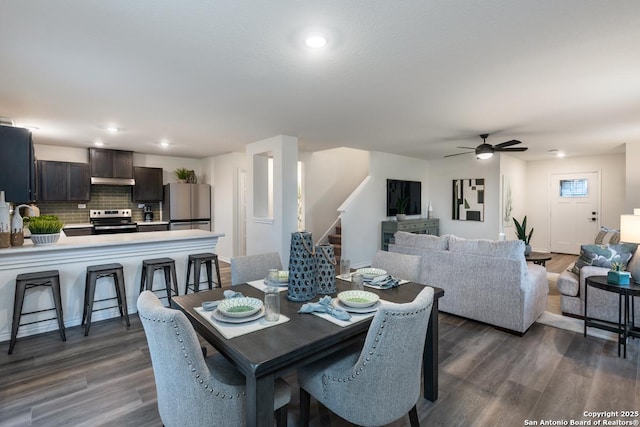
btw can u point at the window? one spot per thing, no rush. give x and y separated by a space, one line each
574 188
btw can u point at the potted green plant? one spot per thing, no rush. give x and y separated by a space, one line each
521 233
182 174
45 229
401 205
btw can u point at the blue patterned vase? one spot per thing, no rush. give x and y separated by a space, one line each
302 283
325 269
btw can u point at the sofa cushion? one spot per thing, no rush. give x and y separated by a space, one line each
604 255
607 236
422 241
568 284
512 249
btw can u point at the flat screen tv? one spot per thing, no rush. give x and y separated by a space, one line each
411 191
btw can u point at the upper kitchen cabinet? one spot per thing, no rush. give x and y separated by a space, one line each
63 181
148 186
17 165
111 166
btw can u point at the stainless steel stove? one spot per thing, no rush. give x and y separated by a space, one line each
112 221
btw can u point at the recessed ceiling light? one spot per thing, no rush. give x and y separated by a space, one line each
560 154
112 129
98 143
164 143
316 41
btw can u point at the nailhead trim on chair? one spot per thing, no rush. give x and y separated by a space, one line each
190 363
326 379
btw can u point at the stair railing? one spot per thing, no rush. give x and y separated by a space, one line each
332 227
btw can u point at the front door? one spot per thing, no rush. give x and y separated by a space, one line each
575 211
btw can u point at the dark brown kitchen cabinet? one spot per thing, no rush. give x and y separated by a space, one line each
111 163
148 186
17 165
63 181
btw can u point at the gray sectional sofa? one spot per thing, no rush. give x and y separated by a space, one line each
488 281
603 305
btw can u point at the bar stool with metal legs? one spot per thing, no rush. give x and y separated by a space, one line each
27 281
149 267
95 272
196 261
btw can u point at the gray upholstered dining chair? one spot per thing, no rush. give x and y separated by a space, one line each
402 266
379 382
253 267
192 390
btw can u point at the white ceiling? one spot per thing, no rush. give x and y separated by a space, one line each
411 77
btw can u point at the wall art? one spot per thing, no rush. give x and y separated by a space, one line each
468 199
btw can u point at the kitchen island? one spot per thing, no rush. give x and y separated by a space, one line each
71 256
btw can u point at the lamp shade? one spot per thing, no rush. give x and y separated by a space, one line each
630 228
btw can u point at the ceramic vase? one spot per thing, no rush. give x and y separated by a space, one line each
17 235
302 282
5 224
325 269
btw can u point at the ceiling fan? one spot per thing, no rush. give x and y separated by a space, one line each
485 151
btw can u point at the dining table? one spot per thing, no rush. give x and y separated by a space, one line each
265 355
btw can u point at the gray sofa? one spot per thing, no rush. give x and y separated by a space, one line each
488 281
603 305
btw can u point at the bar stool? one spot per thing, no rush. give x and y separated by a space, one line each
196 260
149 267
27 281
95 272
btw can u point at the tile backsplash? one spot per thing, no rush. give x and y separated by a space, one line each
102 197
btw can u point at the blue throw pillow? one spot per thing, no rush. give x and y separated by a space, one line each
604 255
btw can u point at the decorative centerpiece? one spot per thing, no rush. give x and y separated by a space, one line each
5 222
521 232
182 174
617 275
302 268
45 229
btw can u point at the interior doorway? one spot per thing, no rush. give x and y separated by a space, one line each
574 210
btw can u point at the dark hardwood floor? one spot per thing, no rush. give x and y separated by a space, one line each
487 378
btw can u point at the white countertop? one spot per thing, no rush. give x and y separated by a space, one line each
79 225
106 240
152 222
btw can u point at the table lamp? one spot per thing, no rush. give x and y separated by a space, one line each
630 233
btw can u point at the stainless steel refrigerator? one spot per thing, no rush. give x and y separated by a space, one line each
187 206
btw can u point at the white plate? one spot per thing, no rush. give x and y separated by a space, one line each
370 273
239 307
360 310
216 315
358 299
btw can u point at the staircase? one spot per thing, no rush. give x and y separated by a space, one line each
336 241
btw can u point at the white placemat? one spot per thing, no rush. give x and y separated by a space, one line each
355 317
260 285
232 330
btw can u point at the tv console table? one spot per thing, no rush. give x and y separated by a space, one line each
418 226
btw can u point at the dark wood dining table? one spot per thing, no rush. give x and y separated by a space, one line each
267 354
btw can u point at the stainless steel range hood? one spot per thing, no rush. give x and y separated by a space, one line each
95 180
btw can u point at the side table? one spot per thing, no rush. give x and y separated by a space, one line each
625 327
539 258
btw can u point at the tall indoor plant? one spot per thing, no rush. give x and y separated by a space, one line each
521 232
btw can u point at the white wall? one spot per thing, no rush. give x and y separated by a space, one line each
265 235
361 221
515 171
632 181
330 176
225 201
611 169
441 176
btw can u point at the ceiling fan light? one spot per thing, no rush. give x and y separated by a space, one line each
484 156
